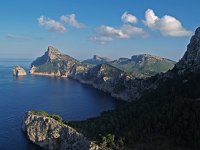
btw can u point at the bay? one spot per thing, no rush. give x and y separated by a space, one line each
66 97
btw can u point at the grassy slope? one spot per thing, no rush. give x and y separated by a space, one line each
148 68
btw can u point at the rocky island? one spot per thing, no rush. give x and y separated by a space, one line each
19 71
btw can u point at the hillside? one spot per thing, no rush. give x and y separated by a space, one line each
145 64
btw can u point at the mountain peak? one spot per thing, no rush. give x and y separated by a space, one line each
191 58
53 52
96 57
97 60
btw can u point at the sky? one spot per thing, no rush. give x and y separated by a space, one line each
112 28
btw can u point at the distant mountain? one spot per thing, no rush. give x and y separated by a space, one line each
97 60
109 77
140 66
144 64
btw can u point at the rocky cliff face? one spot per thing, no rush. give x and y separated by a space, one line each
54 135
19 71
54 63
191 59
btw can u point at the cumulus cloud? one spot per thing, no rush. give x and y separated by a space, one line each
167 25
51 24
129 18
107 33
72 21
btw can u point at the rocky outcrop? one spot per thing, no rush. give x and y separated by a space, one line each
54 63
191 59
96 60
51 134
19 71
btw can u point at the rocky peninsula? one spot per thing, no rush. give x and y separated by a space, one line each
49 132
108 77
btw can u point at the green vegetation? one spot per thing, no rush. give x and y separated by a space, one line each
45 114
109 142
47 67
163 119
148 68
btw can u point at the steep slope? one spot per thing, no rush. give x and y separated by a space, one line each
96 60
49 132
145 64
55 63
104 77
191 59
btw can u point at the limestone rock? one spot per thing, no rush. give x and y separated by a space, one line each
191 59
54 63
19 71
54 135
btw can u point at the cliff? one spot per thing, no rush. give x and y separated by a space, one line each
191 59
48 133
19 71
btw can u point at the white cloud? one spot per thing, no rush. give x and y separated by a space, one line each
51 24
102 39
167 25
71 20
20 37
129 18
107 33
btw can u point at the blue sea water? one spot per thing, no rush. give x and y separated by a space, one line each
66 97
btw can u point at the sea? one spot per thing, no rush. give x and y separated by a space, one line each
66 97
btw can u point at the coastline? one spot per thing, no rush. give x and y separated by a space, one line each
120 97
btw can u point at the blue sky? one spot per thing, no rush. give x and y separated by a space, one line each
112 28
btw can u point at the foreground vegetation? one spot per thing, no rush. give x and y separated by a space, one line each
165 118
45 114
